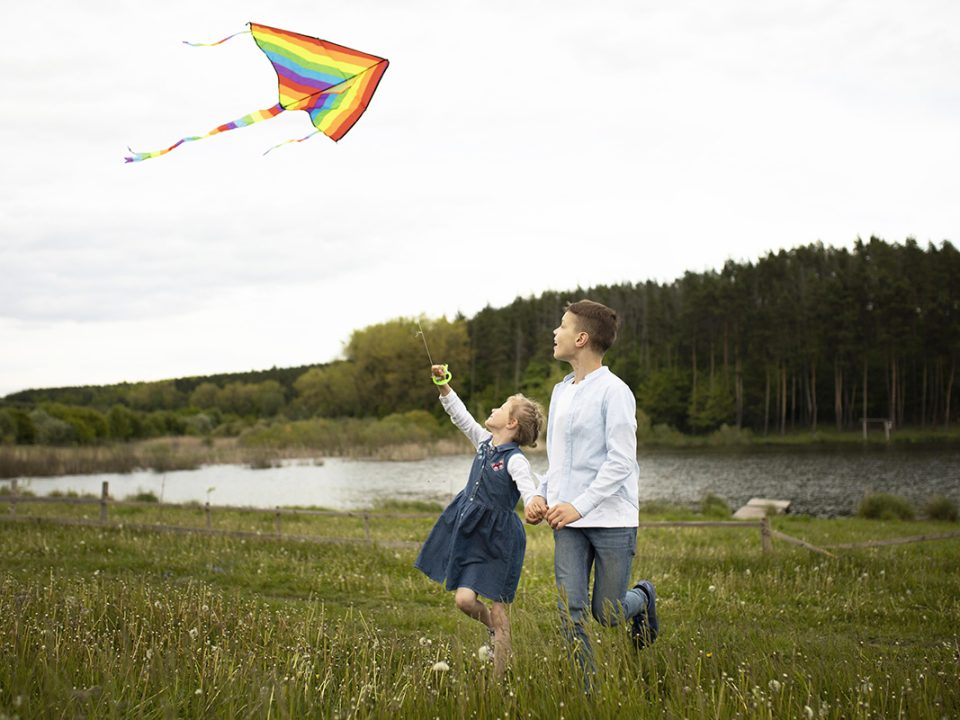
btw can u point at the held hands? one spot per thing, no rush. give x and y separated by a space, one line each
559 516
535 510
562 514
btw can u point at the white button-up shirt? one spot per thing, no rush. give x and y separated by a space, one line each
592 450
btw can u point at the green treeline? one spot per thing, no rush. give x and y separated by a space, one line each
799 339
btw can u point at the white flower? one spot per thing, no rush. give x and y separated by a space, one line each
439 667
198 691
425 641
193 633
774 685
808 712
483 653
712 588
748 571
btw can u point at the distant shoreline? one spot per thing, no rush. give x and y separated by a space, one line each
187 453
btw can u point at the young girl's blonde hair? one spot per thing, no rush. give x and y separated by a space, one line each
529 416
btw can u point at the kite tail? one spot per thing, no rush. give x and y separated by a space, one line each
295 140
218 42
239 123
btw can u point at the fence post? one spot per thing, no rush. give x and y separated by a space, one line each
366 527
766 539
13 496
276 520
104 493
206 510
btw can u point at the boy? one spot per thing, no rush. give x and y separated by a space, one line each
589 494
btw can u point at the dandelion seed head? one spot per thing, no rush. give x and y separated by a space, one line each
712 588
440 666
774 685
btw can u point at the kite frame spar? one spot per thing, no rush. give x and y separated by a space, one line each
332 83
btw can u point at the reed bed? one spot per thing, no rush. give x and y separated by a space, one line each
189 453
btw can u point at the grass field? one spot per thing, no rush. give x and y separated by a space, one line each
112 622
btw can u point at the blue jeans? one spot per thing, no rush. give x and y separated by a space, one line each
609 552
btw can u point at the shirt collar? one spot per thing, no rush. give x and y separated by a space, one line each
602 370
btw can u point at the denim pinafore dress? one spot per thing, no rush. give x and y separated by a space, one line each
479 541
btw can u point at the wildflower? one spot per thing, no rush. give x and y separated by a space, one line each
808 712
747 571
440 666
712 588
483 653
193 633
198 691
774 685
425 641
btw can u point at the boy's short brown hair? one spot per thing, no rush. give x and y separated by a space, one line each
596 320
529 416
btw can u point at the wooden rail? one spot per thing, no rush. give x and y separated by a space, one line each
105 501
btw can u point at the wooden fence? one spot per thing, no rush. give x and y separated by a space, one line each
14 499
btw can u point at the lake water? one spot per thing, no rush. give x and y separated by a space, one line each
821 482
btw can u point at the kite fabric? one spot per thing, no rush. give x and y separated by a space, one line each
330 82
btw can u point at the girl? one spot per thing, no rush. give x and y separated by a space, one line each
477 545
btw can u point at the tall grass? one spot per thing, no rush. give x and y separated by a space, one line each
113 623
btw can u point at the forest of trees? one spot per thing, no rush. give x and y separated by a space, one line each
800 339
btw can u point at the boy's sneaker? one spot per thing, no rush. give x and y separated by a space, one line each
645 626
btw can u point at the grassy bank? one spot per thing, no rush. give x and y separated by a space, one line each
103 622
663 436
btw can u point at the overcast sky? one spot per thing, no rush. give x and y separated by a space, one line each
511 148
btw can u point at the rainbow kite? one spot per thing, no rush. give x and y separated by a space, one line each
331 82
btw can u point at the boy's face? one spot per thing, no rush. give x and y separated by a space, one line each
565 338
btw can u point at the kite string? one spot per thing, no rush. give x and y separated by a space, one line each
218 42
294 140
447 375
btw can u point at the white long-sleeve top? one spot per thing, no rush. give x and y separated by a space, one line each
592 450
518 466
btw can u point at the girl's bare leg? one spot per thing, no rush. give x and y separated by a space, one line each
469 604
501 639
